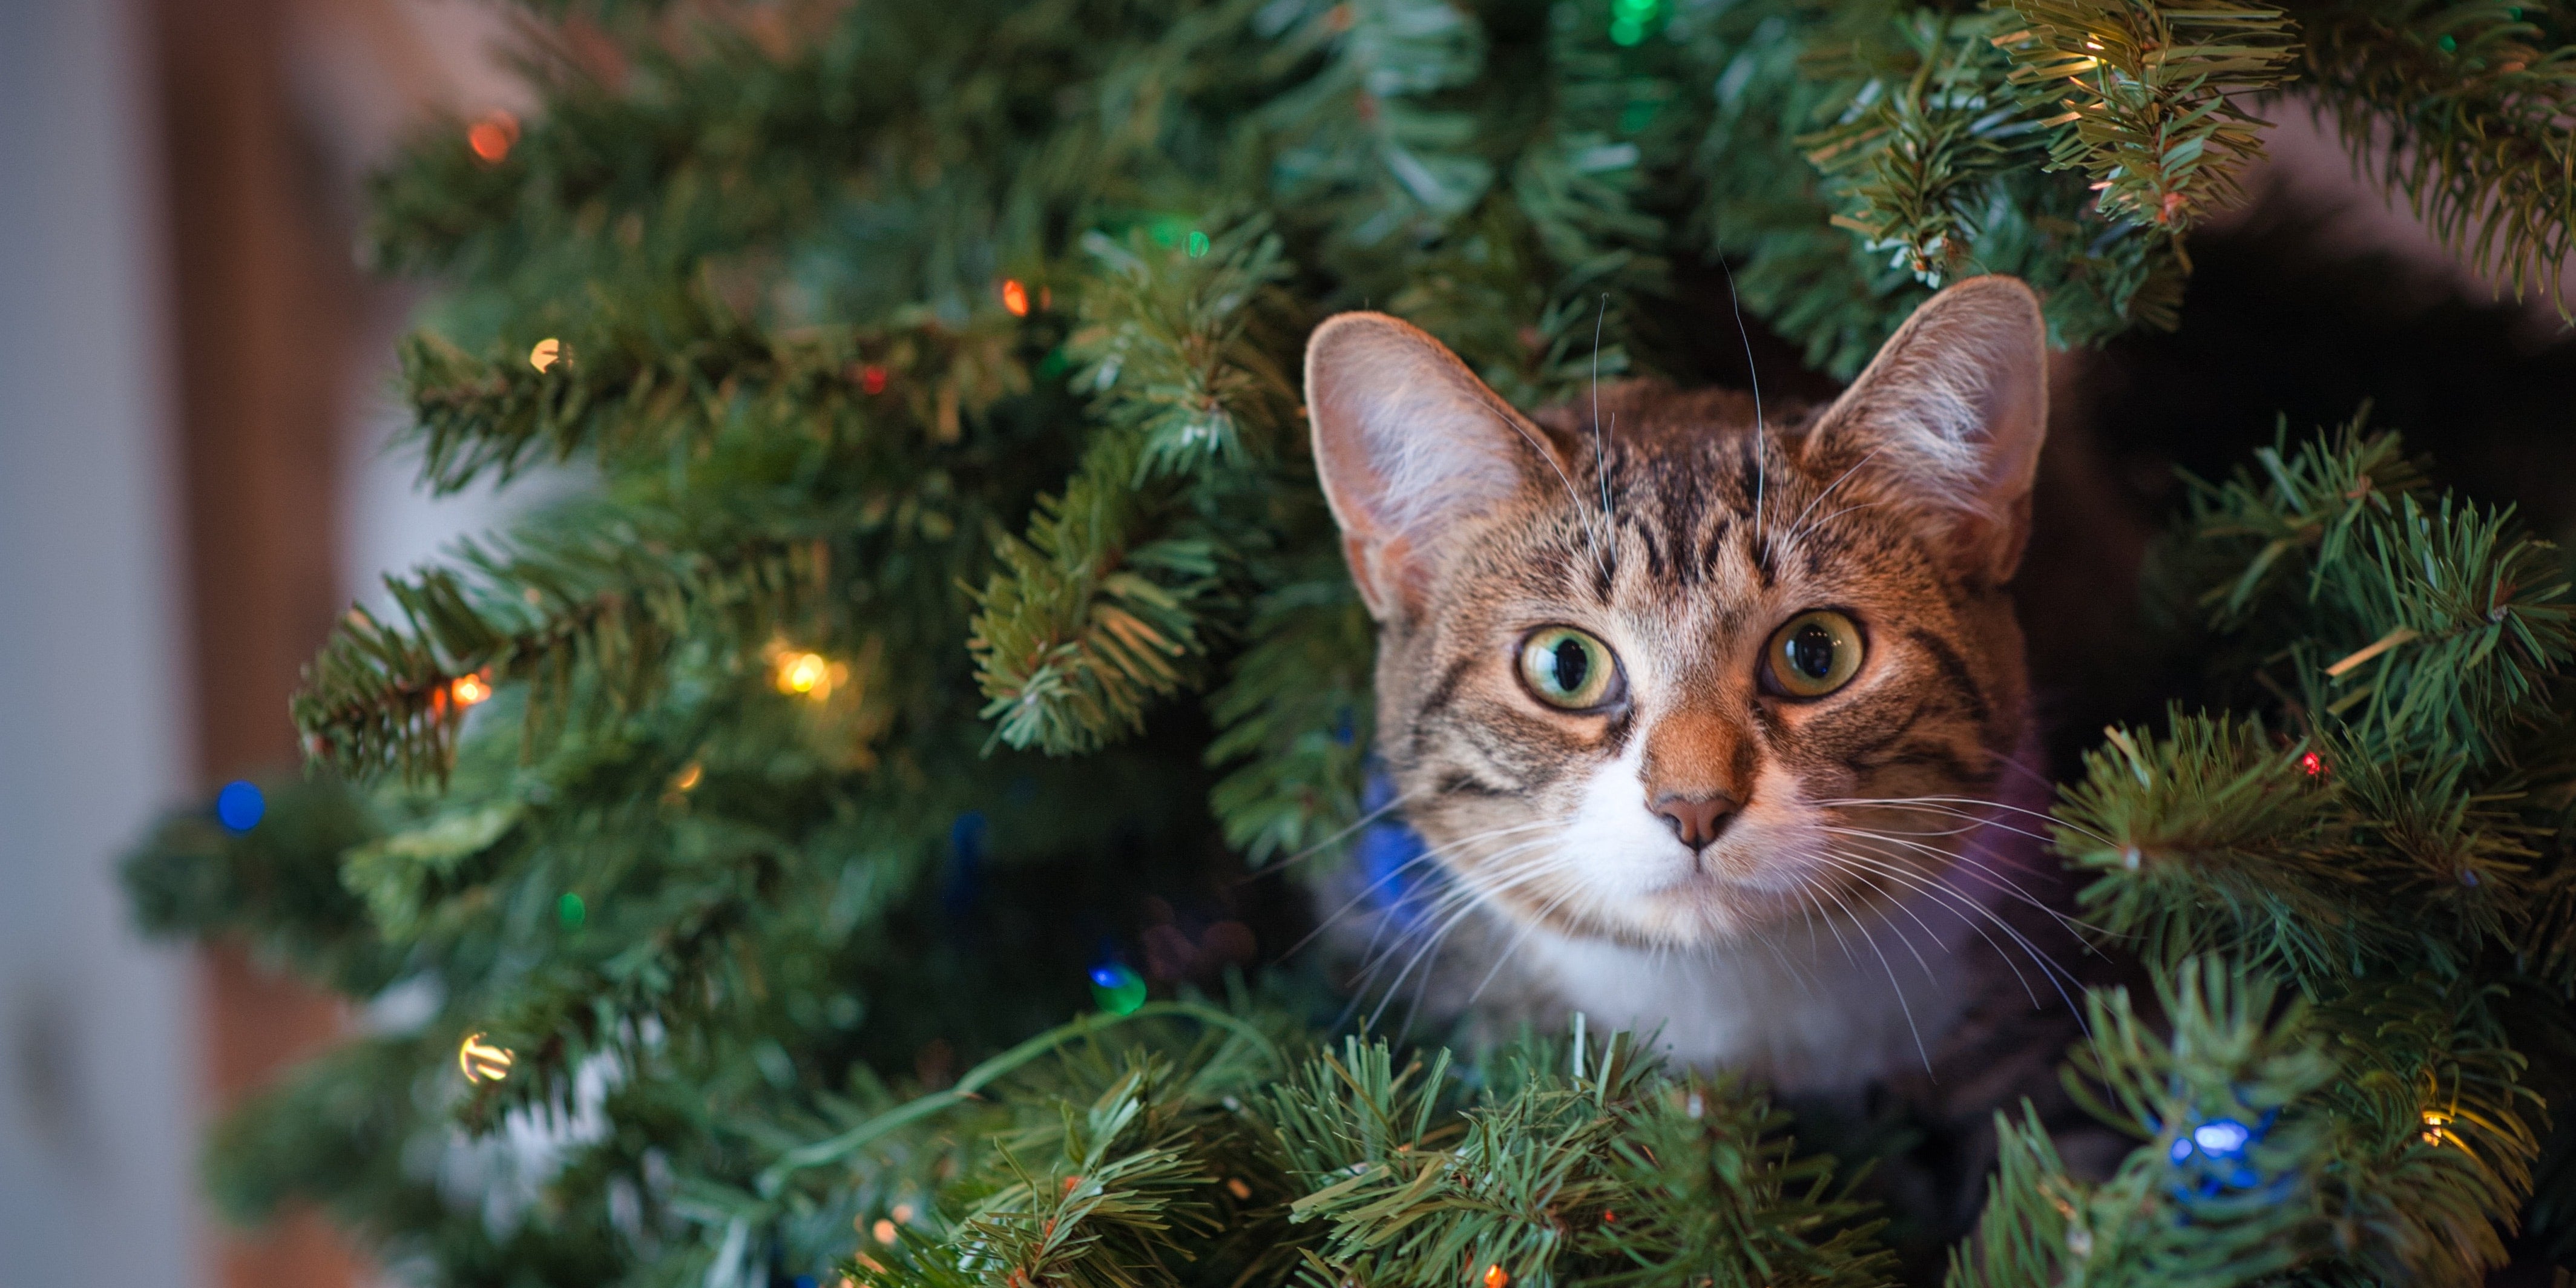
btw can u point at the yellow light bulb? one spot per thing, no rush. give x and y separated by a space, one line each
803 673
2436 1127
482 1061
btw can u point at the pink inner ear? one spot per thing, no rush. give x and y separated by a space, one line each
1953 410
1408 444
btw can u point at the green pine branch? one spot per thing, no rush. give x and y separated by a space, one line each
1580 1162
1294 719
1084 626
2213 836
2149 96
2382 1137
1100 610
2466 622
276 887
1183 346
2462 111
2415 623
1370 147
635 391
1782 84
1916 154
586 612
1715 1193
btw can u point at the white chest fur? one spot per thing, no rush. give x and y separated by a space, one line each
1813 1008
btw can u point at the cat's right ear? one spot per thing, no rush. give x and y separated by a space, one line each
1408 443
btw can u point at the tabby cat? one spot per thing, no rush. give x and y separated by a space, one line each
1712 716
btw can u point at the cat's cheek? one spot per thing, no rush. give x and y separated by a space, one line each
1778 845
1825 778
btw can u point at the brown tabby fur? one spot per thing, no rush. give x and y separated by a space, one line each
1885 823
1700 582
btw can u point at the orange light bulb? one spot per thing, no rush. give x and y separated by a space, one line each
466 690
492 137
1015 298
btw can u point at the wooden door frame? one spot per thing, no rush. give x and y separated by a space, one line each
265 301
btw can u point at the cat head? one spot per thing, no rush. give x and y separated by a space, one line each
1705 671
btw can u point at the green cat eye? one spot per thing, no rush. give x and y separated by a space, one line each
1569 669
1815 653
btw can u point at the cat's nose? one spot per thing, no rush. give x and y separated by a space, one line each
1697 820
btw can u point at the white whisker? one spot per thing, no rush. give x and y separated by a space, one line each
1432 943
1600 446
1794 529
1430 854
1978 868
1752 376
1932 884
1357 826
1935 804
1943 896
1903 1004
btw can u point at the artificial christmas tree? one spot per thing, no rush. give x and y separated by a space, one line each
955 642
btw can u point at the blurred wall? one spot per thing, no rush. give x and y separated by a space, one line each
98 1068
194 479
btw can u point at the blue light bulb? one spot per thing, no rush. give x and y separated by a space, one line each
239 806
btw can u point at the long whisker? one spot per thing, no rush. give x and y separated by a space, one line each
1806 984
1794 529
1951 807
1571 495
1901 937
1849 509
1357 825
1960 902
1600 447
1902 1002
1462 896
1515 945
1902 905
1752 376
1432 943
1998 880
1827 917
1975 821
1932 804
1430 854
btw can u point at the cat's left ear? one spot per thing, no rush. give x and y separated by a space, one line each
1952 412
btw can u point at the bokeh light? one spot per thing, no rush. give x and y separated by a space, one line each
239 806
492 137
